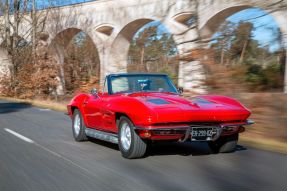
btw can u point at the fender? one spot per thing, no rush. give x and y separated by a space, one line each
132 108
77 102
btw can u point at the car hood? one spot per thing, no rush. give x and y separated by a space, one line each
174 108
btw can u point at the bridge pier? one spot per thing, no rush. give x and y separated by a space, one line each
285 75
58 53
107 62
191 74
5 62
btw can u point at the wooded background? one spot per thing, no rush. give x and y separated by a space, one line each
233 61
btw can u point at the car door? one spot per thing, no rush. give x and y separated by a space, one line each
92 107
108 116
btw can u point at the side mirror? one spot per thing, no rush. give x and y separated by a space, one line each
94 91
180 90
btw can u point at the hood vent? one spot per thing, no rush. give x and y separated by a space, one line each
158 101
200 101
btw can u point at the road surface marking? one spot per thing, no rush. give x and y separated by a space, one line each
44 109
19 136
62 157
46 149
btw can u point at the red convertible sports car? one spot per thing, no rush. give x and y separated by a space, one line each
136 109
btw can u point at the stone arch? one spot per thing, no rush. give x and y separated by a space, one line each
104 31
58 45
65 36
183 17
218 12
121 43
210 24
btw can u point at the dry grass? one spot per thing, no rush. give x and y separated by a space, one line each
269 111
264 144
39 103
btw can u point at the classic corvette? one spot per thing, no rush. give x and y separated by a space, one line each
135 109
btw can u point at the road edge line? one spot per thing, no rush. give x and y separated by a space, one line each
19 135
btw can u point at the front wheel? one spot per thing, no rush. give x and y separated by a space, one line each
79 126
224 144
130 144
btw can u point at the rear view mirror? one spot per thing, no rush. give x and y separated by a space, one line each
180 90
94 91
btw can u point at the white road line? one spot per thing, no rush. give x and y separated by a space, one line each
46 149
62 157
44 109
19 136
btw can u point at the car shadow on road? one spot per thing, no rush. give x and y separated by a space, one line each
104 143
184 149
13 107
167 148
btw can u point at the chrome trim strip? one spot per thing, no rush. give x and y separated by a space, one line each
248 122
110 137
187 134
164 129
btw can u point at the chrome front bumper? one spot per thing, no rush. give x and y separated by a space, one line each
186 130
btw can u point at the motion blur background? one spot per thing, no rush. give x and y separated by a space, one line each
244 59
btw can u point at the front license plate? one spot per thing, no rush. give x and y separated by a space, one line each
201 134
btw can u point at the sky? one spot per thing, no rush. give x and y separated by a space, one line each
46 3
264 26
68 2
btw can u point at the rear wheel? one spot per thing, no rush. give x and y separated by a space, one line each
224 144
130 144
79 126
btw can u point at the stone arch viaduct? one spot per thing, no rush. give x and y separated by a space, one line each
111 24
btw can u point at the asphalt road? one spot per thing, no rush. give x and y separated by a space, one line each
38 152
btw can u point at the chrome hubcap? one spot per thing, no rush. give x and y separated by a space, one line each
77 124
126 136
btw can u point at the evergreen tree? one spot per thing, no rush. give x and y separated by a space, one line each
153 52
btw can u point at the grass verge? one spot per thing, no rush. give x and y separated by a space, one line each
264 144
39 103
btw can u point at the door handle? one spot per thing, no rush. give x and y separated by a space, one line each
85 103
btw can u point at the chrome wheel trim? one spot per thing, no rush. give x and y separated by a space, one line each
126 136
77 124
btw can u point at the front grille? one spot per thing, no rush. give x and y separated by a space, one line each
169 132
211 123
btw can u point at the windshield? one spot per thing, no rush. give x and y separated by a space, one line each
138 83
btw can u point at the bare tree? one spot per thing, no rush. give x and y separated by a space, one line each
22 23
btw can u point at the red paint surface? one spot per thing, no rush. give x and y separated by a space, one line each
100 111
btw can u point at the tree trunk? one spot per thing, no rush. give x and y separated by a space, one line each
15 25
243 51
142 63
222 56
34 26
7 27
